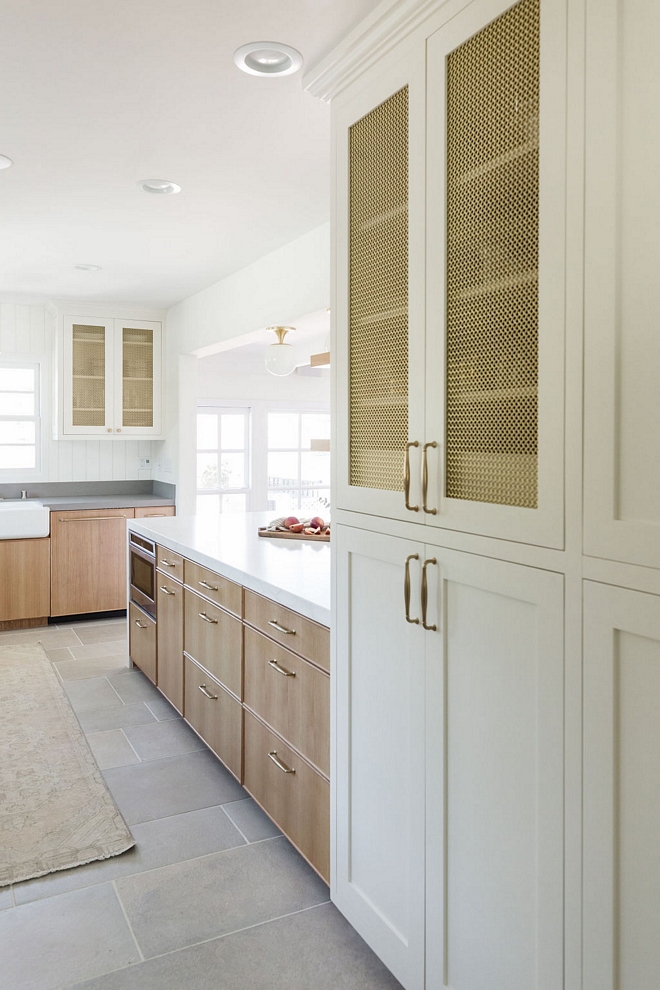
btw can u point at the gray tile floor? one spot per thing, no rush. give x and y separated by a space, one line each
212 896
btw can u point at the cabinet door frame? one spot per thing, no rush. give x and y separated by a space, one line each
67 374
404 67
544 525
404 956
118 425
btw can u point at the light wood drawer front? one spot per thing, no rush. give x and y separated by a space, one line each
218 589
153 511
169 600
215 715
169 563
305 637
215 639
142 641
291 695
298 802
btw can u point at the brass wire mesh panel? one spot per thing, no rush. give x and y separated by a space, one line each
378 299
88 375
492 262
137 377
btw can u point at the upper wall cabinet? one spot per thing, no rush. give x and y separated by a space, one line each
450 259
111 377
622 294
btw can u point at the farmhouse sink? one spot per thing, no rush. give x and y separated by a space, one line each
23 520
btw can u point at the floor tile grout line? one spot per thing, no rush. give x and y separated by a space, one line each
114 689
239 830
127 919
140 760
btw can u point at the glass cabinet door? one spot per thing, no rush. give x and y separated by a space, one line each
138 345
88 377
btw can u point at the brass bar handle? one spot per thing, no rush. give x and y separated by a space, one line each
282 629
168 563
278 763
406 588
406 476
204 616
90 518
425 477
207 694
209 587
425 594
140 625
280 670
166 591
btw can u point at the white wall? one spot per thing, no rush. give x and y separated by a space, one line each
27 331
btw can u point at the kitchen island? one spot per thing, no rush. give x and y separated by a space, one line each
233 629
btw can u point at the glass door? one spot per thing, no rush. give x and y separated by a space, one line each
138 392
87 384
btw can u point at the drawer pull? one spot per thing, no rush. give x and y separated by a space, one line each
166 591
168 563
67 519
278 763
207 694
209 587
280 670
276 625
204 616
140 625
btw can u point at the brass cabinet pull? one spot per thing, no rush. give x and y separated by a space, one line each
425 477
406 588
425 593
90 518
276 625
204 616
280 670
168 563
140 625
406 476
278 763
207 694
209 587
166 591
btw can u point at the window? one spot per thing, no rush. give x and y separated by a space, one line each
222 460
19 416
298 477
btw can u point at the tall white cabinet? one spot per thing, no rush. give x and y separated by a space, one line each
496 522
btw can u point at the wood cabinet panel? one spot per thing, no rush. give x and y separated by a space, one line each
298 801
142 641
88 560
289 628
215 715
169 563
154 511
25 592
211 585
169 604
290 695
214 638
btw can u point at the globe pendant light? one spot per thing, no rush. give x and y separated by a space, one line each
280 358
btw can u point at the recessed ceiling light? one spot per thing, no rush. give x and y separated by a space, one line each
162 187
267 58
5 162
87 268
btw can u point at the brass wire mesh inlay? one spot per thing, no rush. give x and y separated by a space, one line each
492 261
378 300
137 377
88 375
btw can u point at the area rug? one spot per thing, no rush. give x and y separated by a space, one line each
55 809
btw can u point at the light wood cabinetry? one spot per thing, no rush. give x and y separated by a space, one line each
142 641
169 563
111 372
214 638
289 628
169 606
25 586
226 593
88 560
154 511
216 715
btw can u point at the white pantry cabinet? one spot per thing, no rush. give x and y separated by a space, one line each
449 312
111 377
449 772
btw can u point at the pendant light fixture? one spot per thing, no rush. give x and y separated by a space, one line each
280 358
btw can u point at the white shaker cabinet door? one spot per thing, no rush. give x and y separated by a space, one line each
621 788
622 290
378 775
494 757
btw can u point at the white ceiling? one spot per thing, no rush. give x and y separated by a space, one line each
97 94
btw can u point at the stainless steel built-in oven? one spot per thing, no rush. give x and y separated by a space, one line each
142 564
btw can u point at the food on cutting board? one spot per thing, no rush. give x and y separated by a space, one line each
291 524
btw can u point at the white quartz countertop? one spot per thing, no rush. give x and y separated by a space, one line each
295 573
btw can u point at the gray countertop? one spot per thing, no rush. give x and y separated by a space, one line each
65 502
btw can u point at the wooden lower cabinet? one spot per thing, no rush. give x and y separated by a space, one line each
88 560
215 715
295 796
222 592
288 628
215 640
25 587
142 641
154 511
169 599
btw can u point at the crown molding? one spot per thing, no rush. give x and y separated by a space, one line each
387 25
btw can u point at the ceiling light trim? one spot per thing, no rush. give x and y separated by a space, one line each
159 187
247 59
5 162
